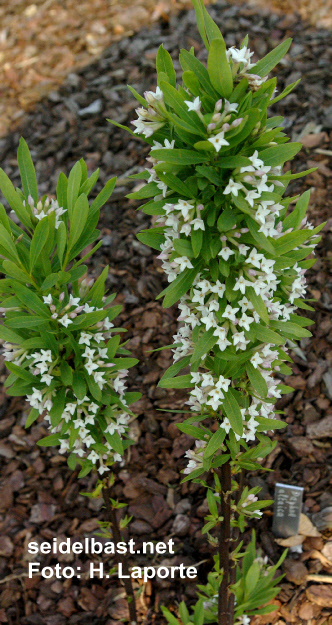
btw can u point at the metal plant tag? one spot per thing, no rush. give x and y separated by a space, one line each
287 510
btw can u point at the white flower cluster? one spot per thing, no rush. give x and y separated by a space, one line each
81 419
206 305
151 119
241 64
43 209
195 457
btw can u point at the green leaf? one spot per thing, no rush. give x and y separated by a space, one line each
204 345
78 219
154 237
164 64
79 386
258 305
61 241
278 154
180 285
291 330
270 424
192 430
66 373
266 335
39 239
179 157
49 441
233 413
177 102
173 182
264 66
32 417
215 442
188 61
31 300
115 442
103 196
285 92
181 381
14 200
74 183
14 271
27 171
169 616
11 337
256 379
218 67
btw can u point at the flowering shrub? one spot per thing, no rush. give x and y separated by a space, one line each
234 250
60 346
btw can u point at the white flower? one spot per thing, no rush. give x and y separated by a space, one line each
223 383
93 408
198 224
98 378
238 337
218 140
88 309
107 324
226 425
46 378
251 196
89 353
93 456
184 206
245 321
209 320
183 263
65 321
73 301
207 380
90 366
229 313
102 469
243 249
254 258
70 408
193 106
241 284
226 252
102 352
98 337
218 288
48 299
233 187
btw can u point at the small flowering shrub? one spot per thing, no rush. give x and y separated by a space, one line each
61 347
234 250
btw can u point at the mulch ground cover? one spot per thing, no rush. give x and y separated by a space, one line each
39 496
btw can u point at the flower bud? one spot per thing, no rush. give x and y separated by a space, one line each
218 106
31 201
225 127
236 122
61 296
216 117
211 127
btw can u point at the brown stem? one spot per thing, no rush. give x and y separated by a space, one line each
111 515
224 545
235 542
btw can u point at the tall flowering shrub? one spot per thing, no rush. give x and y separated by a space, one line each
60 344
234 250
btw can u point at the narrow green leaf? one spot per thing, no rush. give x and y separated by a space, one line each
164 64
219 69
233 413
27 171
264 66
257 381
38 241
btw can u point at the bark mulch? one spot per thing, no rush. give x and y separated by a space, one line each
39 496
